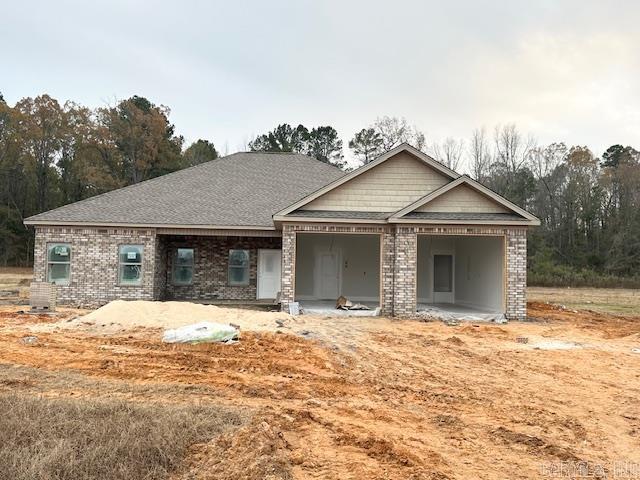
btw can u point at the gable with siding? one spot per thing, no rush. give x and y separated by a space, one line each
387 187
463 198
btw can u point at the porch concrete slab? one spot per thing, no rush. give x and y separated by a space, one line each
456 311
328 308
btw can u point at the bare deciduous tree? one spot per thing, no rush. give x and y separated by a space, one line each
512 150
394 131
449 152
480 157
543 161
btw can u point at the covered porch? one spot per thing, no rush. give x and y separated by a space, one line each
240 268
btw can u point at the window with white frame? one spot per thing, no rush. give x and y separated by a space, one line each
130 264
183 266
238 267
59 263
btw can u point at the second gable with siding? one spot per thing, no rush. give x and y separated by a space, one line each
387 187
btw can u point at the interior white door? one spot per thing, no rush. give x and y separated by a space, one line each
328 278
269 273
443 281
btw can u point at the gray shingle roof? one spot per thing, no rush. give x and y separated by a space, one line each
339 214
242 189
508 217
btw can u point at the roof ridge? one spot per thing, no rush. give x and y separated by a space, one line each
277 153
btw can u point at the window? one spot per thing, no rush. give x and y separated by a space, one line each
183 266
59 263
130 264
238 267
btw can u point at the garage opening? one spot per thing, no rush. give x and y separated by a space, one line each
332 265
462 276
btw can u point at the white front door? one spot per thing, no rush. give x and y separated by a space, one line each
269 273
329 279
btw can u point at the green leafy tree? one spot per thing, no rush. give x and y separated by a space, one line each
322 143
283 138
198 152
366 145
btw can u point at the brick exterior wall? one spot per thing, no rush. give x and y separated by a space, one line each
210 272
160 274
399 261
94 263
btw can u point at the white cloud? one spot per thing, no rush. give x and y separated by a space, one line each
564 71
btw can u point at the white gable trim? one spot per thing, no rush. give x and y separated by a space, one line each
532 220
359 171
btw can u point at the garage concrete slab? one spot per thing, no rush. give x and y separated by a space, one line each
455 311
328 307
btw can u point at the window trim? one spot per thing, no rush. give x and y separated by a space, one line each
120 283
174 264
248 267
49 263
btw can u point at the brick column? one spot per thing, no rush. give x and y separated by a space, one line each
516 274
406 253
388 252
40 255
288 266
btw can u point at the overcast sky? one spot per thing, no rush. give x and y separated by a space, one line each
561 70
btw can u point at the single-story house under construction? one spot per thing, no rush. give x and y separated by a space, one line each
402 233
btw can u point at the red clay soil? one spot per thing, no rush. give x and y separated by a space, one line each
410 400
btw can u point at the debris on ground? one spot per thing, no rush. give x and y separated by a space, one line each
555 345
29 340
344 303
294 308
203 332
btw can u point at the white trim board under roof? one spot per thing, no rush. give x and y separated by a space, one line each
61 223
414 152
400 216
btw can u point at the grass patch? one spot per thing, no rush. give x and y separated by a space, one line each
605 300
89 439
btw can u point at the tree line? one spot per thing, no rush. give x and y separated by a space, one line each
53 154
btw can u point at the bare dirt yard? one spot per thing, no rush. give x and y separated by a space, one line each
356 398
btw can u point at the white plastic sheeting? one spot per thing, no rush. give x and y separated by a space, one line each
202 332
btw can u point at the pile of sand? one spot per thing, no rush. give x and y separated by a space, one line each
123 315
